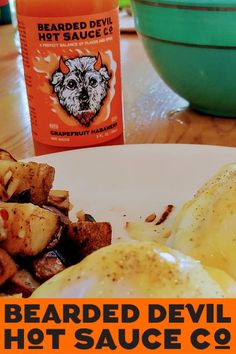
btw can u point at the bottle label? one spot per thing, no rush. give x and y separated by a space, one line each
72 74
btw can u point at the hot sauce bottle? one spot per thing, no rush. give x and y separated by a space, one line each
71 56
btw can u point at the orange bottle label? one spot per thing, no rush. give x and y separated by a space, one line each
72 73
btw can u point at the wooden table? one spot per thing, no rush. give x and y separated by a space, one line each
152 112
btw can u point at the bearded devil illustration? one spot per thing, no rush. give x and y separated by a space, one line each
81 85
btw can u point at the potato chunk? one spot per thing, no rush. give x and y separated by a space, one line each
18 177
22 282
29 228
7 266
48 265
90 236
60 200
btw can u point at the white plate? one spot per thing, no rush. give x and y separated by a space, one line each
129 182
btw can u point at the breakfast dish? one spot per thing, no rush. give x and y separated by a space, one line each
127 189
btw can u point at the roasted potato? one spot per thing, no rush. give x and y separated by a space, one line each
60 200
48 265
7 266
34 225
29 228
90 236
19 177
14 296
22 282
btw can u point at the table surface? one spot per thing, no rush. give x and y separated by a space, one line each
152 112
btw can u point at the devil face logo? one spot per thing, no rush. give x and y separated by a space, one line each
81 85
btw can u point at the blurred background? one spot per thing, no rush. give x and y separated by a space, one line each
124 3
8 10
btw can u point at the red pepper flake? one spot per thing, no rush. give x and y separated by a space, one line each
4 214
165 215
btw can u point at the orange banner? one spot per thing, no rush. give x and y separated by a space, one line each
68 326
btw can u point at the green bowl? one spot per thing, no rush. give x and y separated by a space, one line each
192 45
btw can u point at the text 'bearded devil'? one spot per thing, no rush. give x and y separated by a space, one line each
81 85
